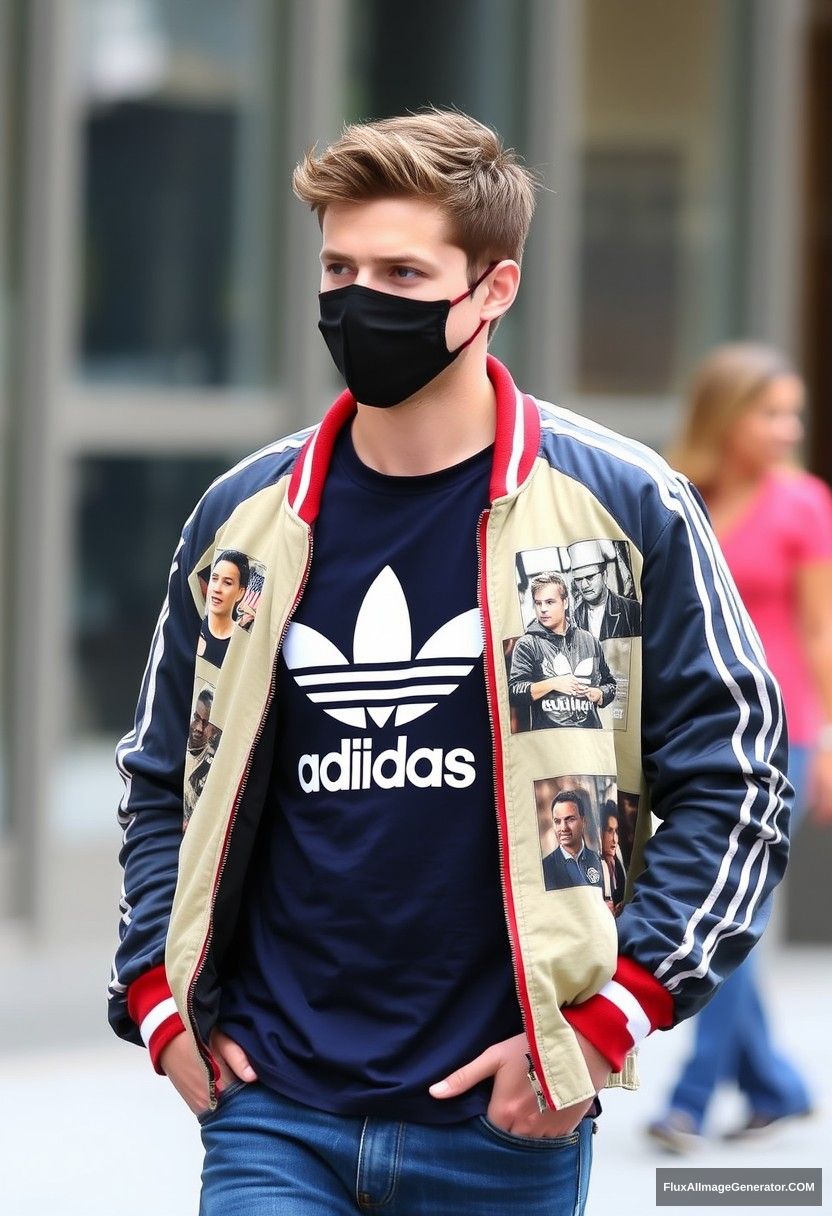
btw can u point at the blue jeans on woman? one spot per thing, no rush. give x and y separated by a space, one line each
733 1043
266 1155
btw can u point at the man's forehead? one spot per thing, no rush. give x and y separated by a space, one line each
387 229
586 571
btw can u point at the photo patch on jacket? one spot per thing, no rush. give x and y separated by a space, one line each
571 667
579 828
232 586
203 740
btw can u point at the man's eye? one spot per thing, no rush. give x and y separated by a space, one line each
405 272
336 268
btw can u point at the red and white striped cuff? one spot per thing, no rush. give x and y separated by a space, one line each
153 1009
632 1005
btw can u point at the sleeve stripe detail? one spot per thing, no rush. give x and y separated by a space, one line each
672 490
155 1018
638 1023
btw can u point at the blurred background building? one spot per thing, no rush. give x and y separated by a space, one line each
158 297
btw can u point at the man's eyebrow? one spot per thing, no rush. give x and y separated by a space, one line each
398 259
332 255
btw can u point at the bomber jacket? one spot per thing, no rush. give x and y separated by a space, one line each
702 747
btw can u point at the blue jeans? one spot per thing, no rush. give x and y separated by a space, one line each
270 1156
733 1043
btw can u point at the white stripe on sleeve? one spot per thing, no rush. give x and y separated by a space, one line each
158 1014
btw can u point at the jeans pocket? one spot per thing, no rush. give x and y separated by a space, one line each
528 1142
232 1088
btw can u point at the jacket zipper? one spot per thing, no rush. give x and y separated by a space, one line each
204 1049
542 1094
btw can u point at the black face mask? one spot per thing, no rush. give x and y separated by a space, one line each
387 347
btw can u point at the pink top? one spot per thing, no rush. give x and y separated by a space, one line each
787 525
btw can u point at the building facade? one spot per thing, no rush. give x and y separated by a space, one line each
158 312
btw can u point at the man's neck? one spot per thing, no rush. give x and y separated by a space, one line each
452 418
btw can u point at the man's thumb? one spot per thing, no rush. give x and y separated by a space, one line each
465 1078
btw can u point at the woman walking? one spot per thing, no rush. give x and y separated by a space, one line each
774 523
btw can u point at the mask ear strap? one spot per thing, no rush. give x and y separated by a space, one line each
468 341
474 287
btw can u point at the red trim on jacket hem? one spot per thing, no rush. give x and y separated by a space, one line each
606 1024
146 994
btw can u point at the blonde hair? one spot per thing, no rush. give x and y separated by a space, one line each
726 383
440 156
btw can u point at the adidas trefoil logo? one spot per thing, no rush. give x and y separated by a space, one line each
559 665
385 678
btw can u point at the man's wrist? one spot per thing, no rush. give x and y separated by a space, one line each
597 1063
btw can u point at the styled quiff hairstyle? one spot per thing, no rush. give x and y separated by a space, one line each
440 156
726 383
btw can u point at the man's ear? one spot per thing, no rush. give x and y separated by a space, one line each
503 284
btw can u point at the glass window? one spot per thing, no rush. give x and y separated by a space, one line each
661 170
130 514
180 208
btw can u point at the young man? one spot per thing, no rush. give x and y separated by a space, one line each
558 671
350 966
572 863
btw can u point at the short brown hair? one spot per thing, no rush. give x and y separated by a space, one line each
441 156
546 579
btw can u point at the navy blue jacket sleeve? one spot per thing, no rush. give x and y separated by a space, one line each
151 761
715 752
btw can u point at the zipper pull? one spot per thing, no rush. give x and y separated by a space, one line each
535 1084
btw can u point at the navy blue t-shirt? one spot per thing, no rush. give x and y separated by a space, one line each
372 956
